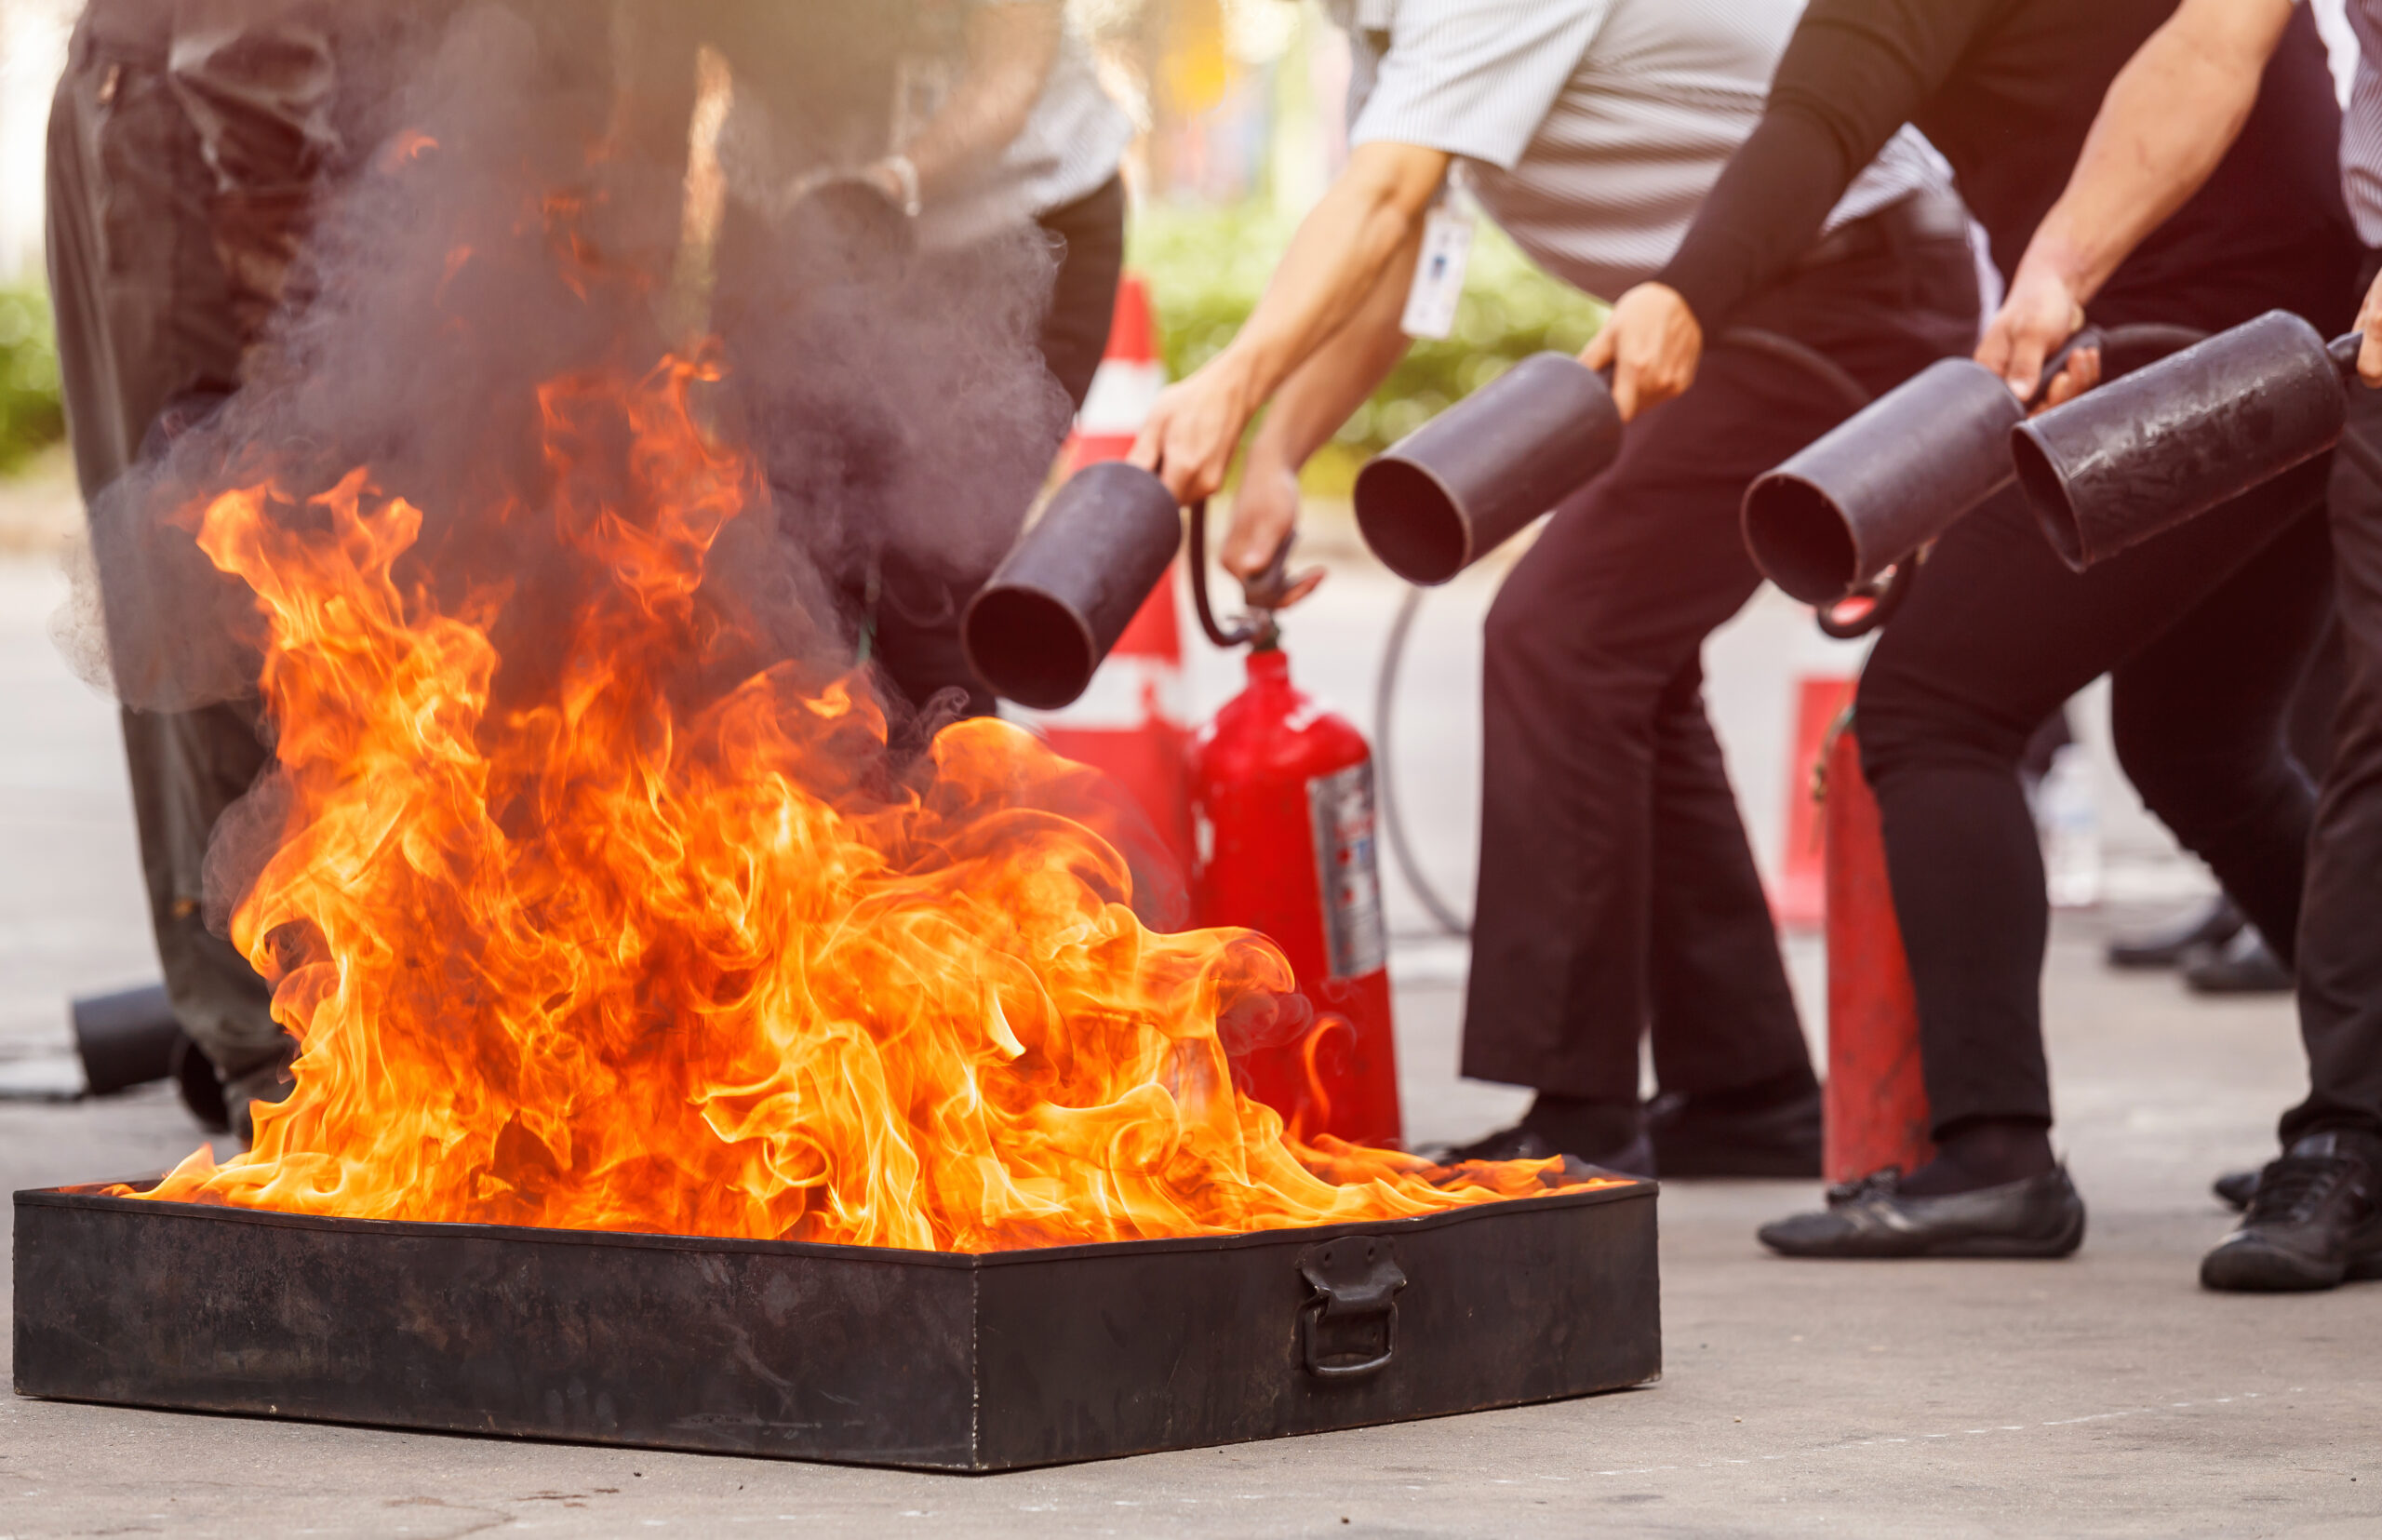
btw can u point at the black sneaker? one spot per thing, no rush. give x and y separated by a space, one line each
2042 1216
2175 944
2245 965
2315 1222
2235 1188
1519 1142
1693 1137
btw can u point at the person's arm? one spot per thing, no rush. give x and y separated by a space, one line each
1853 74
1459 78
257 80
1310 409
1335 265
2369 321
2167 120
1010 48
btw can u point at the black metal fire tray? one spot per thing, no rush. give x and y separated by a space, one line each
846 1353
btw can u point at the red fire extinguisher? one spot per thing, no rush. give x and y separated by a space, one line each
1283 827
1877 1100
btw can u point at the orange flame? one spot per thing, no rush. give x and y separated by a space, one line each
600 961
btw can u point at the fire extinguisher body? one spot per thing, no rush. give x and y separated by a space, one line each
1877 1099
1282 811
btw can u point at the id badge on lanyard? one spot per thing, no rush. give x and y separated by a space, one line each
1439 272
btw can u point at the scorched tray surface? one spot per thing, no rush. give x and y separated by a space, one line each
931 1361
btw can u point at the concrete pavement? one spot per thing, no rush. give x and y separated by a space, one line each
2105 1395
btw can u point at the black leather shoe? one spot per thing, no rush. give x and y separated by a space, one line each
2235 1188
1693 1137
2171 947
2315 1222
2039 1217
2245 965
1635 1158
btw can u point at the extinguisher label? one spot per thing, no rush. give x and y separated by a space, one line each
1340 810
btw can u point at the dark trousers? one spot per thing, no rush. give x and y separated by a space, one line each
916 630
1617 888
2340 923
145 314
2205 632
1089 236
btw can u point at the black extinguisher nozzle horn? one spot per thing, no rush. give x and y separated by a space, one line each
1040 627
1800 540
2169 441
2047 494
1477 475
1873 489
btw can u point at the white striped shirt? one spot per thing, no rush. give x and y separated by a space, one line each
1590 129
2361 124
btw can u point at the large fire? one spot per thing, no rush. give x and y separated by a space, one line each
605 962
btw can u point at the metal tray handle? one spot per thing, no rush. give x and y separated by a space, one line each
1356 1278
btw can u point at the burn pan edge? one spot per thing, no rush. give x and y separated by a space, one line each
848 1354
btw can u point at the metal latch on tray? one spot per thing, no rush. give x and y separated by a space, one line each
1356 1281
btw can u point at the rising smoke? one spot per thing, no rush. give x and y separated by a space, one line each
511 208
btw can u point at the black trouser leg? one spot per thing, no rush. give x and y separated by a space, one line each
2206 628
2340 926
143 314
1090 235
2203 725
1562 937
187 768
1719 1002
2317 699
917 618
1617 890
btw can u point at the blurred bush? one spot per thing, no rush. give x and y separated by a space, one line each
1207 266
31 417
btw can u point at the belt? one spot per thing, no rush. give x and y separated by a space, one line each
1928 214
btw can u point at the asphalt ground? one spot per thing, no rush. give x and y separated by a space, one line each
2101 1395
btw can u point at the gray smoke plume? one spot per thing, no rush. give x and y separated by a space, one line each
510 210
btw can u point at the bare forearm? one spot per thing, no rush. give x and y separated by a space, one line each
1333 270
2168 119
1342 374
1335 265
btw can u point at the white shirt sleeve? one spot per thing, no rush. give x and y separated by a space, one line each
1475 77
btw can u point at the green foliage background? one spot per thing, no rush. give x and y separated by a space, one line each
30 417
1207 267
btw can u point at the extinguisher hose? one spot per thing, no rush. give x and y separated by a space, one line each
1386 782
1770 344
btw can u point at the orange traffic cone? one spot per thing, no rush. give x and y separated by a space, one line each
1126 386
1131 721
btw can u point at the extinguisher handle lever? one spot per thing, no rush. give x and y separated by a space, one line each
1270 589
1263 593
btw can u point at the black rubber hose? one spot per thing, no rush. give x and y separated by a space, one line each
1225 639
1393 826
